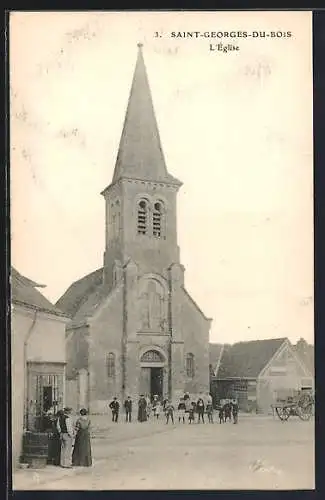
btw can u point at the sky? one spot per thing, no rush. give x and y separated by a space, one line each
236 129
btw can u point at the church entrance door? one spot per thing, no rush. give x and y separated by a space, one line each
151 382
145 381
152 364
156 382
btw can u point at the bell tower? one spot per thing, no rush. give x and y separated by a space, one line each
141 200
148 334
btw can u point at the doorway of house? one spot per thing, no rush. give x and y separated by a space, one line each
47 398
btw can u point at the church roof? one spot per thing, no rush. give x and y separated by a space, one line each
24 292
195 304
91 302
79 292
140 154
247 359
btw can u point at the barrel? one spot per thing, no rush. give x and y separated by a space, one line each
35 449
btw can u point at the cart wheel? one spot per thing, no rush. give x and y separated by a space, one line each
305 412
283 413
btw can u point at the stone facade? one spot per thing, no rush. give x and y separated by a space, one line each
135 327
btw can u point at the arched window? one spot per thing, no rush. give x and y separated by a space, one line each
151 356
142 222
110 365
190 368
157 220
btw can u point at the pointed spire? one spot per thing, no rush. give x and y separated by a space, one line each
140 155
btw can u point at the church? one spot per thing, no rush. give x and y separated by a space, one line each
134 327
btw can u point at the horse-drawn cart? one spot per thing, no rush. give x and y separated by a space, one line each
301 405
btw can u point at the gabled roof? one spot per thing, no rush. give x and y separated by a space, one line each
79 292
24 292
306 353
195 304
140 154
247 359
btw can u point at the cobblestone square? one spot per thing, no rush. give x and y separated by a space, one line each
258 453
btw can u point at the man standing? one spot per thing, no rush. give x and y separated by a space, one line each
65 429
115 407
128 409
165 401
221 415
227 411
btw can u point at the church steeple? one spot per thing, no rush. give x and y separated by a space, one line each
141 200
140 154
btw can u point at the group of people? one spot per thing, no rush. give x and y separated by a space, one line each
228 412
189 408
144 408
185 408
69 443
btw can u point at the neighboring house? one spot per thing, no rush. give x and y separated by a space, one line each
135 328
37 357
258 372
307 353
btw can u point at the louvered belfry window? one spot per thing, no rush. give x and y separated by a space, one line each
156 223
142 217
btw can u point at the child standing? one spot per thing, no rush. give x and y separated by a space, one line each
200 410
191 413
209 410
158 409
154 405
181 410
235 412
169 411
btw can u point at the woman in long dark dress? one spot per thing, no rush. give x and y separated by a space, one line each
142 410
54 441
81 455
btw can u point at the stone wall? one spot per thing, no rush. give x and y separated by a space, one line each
106 337
195 332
